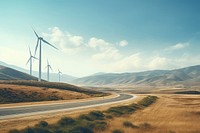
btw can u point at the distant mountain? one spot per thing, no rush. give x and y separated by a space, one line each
7 73
185 76
53 76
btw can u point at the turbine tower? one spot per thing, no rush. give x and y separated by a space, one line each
59 73
48 66
31 60
39 42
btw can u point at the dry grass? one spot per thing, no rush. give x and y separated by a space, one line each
16 93
170 114
22 122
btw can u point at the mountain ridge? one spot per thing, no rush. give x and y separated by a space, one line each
184 75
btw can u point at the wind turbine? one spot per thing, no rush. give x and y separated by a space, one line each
48 66
39 42
59 73
30 60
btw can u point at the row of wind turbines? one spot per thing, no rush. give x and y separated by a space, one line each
32 57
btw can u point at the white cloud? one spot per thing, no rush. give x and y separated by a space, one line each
177 46
107 55
126 64
76 40
129 63
70 44
105 50
97 43
158 63
123 43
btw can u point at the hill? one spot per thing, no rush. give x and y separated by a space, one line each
7 73
30 91
184 76
53 76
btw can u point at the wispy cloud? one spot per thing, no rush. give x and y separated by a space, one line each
123 43
68 43
177 46
104 50
158 62
109 57
73 44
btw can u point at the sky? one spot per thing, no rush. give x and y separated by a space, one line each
102 35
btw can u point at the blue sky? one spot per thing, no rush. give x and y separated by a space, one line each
101 35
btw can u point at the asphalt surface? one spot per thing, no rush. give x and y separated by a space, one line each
12 112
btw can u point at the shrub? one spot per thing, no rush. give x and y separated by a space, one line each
35 130
100 125
94 115
121 110
85 123
145 125
28 130
84 117
14 131
42 124
129 124
117 131
109 116
58 131
80 129
41 130
65 121
147 101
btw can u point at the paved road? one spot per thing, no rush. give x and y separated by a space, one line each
12 112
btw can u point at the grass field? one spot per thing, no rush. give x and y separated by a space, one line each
16 94
94 121
33 91
170 114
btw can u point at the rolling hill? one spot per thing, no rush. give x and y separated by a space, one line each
7 73
15 91
53 76
184 76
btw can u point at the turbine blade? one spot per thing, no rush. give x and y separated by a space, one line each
28 60
30 51
47 62
50 68
49 44
34 57
35 33
36 47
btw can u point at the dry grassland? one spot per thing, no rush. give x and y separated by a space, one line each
16 93
22 122
170 114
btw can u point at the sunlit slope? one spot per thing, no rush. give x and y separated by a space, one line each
188 75
14 91
7 73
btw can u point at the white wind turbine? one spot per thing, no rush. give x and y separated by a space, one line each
39 42
48 68
30 60
59 74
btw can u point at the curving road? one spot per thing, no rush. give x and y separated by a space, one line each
12 112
